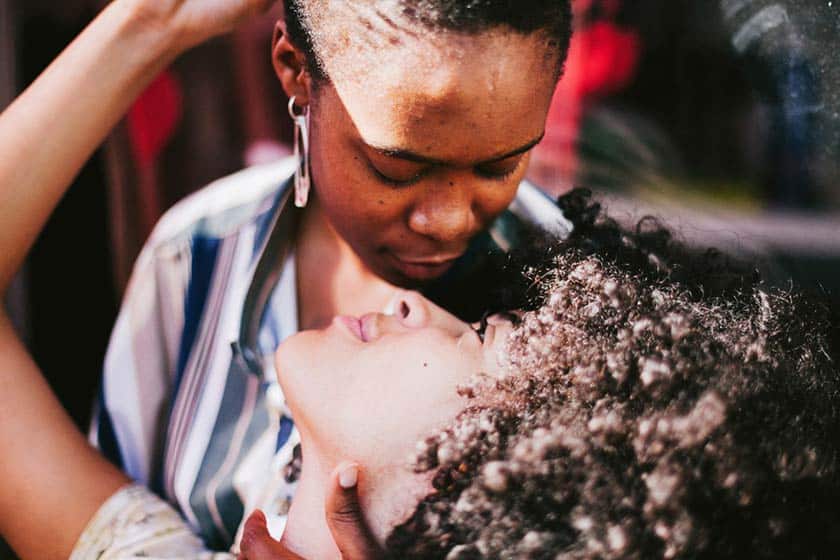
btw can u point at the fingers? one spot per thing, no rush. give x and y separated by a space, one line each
257 7
257 543
345 519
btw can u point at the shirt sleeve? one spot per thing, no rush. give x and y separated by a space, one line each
134 523
141 361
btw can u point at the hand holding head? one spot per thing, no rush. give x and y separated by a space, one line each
345 519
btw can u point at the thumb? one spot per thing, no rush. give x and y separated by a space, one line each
344 516
257 543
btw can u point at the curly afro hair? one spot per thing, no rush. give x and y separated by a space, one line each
657 405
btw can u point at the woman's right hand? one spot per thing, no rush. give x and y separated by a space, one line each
194 21
345 519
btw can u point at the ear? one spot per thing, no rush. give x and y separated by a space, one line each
289 65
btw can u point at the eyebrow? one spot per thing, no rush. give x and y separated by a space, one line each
418 158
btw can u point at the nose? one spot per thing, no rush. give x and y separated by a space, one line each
445 213
411 310
414 311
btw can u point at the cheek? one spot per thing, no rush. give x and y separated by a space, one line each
395 403
491 200
508 190
358 206
311 385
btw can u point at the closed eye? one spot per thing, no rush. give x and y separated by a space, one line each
394 181
499 169
494 174
481 327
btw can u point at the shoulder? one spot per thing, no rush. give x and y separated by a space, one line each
534 207
531 208
224 206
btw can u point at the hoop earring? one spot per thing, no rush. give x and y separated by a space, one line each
302 179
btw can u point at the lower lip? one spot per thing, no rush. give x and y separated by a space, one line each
353 325
421 271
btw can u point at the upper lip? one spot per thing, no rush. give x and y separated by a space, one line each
367 324
354 324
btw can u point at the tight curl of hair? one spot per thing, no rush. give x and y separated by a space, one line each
656 405
553 17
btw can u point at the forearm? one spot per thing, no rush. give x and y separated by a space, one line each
51 130
51 481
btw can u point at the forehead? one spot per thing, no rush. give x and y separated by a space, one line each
445 94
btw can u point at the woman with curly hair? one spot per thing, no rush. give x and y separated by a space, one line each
644 418
652 404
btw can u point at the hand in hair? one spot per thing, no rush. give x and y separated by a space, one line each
196 21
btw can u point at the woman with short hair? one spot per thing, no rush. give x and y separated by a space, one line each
414 120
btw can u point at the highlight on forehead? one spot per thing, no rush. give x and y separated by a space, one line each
350 36
358 29
364 25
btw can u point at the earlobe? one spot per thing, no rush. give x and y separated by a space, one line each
289 65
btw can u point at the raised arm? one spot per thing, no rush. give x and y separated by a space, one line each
51 130
51 481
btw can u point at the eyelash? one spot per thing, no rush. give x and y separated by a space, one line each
497 176
482 325
394 182
397 183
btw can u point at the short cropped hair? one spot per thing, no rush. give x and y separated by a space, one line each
553 17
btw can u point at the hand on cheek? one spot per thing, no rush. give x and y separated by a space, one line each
344 517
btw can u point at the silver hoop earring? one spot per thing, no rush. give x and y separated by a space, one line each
302 180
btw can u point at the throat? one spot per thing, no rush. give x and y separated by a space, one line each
307 533
331 278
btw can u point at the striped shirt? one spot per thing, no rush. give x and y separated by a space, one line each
189 404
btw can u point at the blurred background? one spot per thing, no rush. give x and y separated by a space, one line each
721 117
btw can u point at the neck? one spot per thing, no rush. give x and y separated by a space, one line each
307 533
337 281
388 495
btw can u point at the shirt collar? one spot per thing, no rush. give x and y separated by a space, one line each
273 242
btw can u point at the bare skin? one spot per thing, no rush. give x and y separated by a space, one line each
343 517
99 74
416 359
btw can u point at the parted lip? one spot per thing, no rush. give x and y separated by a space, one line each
362 328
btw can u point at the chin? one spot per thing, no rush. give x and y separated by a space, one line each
401 280
293 350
